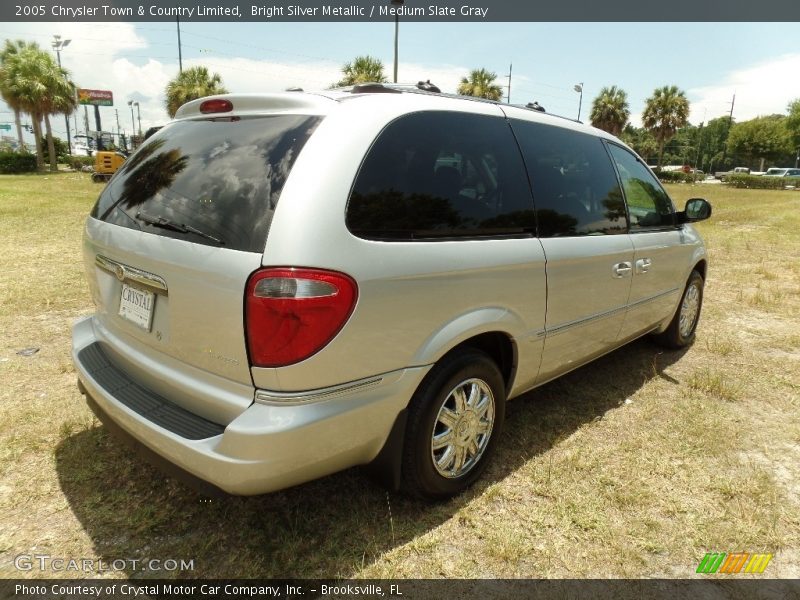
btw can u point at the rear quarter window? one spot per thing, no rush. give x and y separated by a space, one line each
442 175
222 177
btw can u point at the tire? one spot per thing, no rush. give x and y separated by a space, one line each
681 330
461 403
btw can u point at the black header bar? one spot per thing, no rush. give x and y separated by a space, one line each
410 10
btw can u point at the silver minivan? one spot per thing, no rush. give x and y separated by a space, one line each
287 285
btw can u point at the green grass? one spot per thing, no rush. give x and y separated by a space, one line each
634 466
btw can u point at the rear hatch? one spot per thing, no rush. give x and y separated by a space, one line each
171 242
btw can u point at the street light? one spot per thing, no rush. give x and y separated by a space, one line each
579 88
133 122
139 117
58 45
398 4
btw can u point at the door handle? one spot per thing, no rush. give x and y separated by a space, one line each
643 265
621 270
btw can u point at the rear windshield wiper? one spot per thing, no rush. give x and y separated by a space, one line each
165 223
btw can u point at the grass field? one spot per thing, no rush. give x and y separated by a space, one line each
634 466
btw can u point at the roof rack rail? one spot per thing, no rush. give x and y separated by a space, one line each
394 88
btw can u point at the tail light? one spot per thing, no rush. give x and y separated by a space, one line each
291 314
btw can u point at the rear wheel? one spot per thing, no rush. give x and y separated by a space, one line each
455 418
681 330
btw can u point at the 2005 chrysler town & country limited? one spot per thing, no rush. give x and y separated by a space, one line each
288 285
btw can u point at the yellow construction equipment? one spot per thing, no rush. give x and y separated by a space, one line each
106 164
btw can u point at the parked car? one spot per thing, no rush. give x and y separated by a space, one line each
782 172
292 284
722 175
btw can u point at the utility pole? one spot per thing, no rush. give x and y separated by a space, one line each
730 124
398 4
180 56
508 97
58 45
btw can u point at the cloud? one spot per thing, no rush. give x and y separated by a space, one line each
761 89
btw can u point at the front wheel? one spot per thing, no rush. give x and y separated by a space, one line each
454 422
681 330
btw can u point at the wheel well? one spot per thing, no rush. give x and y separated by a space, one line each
701 268
499 347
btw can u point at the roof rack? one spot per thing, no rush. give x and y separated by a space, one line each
394 88
430 88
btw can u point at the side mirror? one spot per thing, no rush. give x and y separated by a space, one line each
697 209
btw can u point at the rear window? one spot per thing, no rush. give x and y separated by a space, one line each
214 181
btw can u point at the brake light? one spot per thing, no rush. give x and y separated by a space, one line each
291 314
217 105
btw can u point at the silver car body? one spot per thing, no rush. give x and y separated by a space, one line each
561 302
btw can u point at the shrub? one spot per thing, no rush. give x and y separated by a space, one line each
12 162
76 163
677 177
759 182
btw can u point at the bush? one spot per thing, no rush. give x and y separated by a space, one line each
12 162
759 182
678 177
76 163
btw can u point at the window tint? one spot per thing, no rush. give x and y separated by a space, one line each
219 177
441 175
648 203
575 189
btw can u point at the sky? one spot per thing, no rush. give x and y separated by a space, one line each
758 62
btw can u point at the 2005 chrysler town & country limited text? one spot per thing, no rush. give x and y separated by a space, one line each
288 285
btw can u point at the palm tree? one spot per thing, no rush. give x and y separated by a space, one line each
31 77
480 83
363 69
60 100
7 56
610 110
666 111
192 84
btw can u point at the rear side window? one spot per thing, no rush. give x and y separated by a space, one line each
214 182
648 203
434 175
575 188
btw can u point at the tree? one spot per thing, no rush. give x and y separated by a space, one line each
7 56
793 122
610 110
61 100
711 141
665 112
766 138
40 88
191 84
62 152
641 141
480 84
363 69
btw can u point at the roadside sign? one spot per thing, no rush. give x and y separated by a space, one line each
5 126
95 97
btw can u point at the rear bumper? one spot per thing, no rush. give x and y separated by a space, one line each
268 446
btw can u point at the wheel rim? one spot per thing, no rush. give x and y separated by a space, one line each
462 429
690 308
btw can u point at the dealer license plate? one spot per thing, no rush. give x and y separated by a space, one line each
136 306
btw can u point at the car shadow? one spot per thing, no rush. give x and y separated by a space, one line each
330 528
